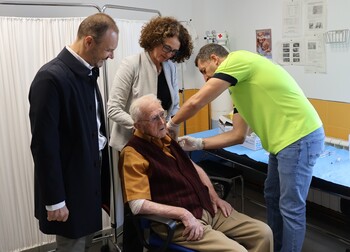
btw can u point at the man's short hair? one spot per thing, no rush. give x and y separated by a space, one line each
206 51
96 26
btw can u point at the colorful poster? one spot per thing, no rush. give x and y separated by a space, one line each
263 43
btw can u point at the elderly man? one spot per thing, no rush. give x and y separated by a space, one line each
159 178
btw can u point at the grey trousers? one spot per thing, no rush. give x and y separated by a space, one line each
82 244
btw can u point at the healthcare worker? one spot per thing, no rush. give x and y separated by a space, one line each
271 103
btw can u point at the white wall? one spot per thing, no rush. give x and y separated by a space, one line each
250 15
240 19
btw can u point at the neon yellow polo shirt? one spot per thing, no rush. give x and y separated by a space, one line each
269 99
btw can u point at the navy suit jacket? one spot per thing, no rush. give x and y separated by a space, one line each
65 147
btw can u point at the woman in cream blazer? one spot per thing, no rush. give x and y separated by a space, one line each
165 41
136 76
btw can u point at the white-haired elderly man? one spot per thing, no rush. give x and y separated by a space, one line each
159 178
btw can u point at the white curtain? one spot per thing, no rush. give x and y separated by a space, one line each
25 45
128 44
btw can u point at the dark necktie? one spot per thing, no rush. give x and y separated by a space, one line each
95 72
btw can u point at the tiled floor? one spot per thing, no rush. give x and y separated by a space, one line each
321 234
316 240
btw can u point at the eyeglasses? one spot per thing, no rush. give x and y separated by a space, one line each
156 118
168 49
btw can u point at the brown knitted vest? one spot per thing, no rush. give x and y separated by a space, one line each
174 182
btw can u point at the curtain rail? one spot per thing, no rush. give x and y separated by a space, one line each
120 7
51 4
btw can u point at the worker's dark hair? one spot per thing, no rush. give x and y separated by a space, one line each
206 51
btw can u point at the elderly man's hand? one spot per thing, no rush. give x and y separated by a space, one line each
224 206
193 228
189 143
173 129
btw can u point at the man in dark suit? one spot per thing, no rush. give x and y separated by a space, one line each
68 137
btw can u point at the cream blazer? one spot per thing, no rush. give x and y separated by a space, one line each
136 76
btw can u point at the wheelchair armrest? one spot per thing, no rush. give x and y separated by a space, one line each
143 221
221 179
159 219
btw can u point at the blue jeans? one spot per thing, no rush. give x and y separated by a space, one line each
286 187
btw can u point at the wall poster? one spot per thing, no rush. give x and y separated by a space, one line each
292 52
263 43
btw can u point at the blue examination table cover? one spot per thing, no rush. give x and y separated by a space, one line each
333 165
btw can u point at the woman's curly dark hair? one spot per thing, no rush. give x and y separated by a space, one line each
158 29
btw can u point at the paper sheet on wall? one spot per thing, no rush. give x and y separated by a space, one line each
292 18
316 17
292 52
308 50
315 54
